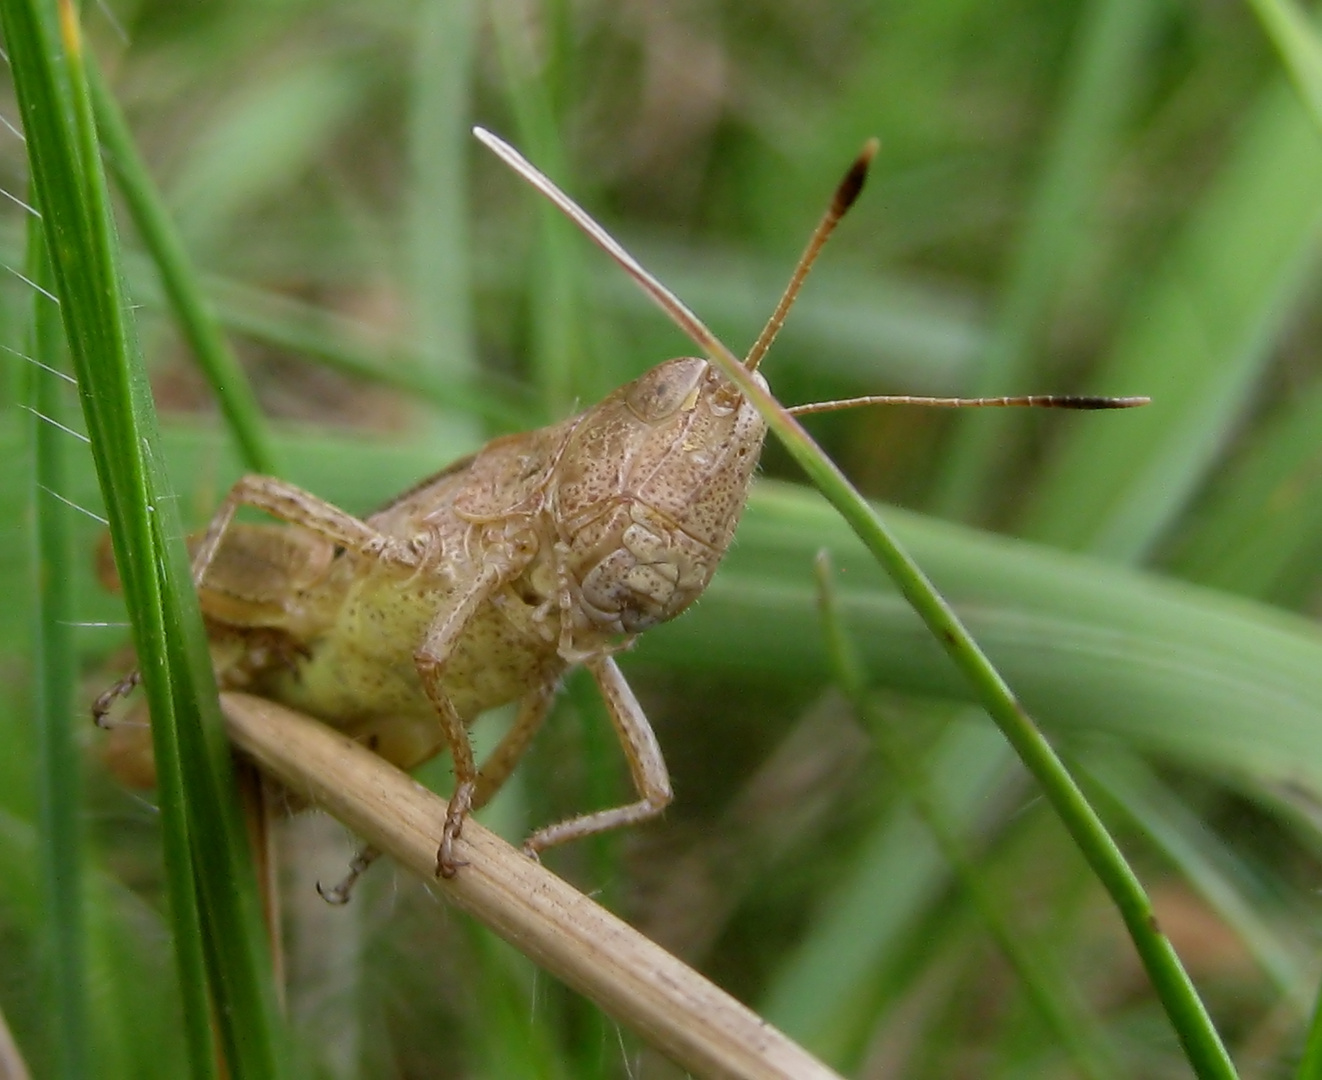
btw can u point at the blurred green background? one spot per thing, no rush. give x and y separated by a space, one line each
1107 196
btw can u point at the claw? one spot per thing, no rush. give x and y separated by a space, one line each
103 704
460 804
338 895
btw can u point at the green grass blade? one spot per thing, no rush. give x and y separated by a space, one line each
1258 531
1219 684
559 362
55 675
438 217
212 892
1046 990
78 244
1185 1009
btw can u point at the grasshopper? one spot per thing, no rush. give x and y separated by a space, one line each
483 584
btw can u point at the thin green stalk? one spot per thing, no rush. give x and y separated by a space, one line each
1059 1010
1193 1026
1126 785
229 383
238 963
78 243
55 676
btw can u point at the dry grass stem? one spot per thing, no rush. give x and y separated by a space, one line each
634 980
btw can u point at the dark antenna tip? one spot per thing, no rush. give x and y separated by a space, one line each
852 184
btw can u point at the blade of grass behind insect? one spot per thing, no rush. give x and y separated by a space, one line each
864 923
560 357
439 112
1199 1039
1097 94
1135 791
135 1018
228 381
1197 340
514 1039
1298 47
1047 992
55 675
210 878
298 327
1259 530
264 135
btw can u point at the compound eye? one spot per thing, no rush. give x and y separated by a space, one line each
666 389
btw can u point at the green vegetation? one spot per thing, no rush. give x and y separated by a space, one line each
1108 196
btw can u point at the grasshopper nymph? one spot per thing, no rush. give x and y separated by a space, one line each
483 584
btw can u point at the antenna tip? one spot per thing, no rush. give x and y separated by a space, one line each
1107 402
852 184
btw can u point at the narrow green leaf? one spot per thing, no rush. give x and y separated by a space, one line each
1047 992
1197 341
59 778
212 893
1299 49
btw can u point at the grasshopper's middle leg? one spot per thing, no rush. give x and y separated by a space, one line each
500 762
493 774
647 766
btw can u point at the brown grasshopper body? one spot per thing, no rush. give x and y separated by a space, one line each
544 549
481 585
484 583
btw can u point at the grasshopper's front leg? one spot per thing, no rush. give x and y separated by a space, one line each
431 659
647 766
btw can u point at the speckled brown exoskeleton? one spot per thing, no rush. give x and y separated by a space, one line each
483 584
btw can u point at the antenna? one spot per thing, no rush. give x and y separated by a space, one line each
845 193
1031 401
